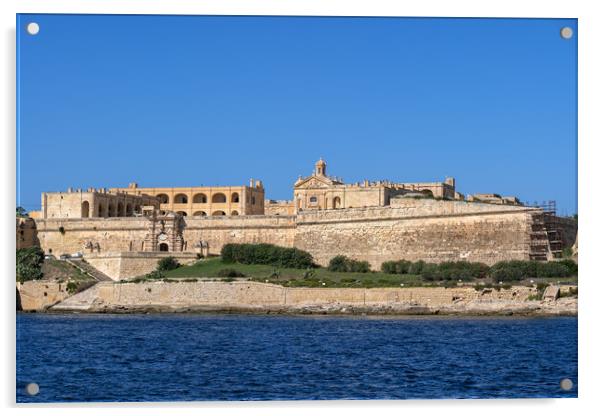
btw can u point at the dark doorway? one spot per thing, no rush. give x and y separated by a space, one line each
163 247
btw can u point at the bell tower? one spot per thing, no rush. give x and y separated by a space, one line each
320 168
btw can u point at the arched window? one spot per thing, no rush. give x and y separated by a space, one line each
336 202
234 197
200 214
163 198
234 212
163 247
218 198
218 213
182 213
199 199
180 199
85 209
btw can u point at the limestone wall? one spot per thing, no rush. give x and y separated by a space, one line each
217 231
112 234
27 234
254 295
411 229
123 265
37 295
417 229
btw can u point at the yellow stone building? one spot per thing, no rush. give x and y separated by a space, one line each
320 191
203 201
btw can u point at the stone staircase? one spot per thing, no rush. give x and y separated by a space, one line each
91 271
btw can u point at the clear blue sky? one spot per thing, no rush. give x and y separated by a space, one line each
201 100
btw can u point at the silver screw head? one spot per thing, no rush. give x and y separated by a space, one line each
33 28
566 32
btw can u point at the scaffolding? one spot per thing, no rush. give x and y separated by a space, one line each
546 233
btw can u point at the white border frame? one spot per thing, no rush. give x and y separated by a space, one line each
590 70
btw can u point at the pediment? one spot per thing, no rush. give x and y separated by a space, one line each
313 182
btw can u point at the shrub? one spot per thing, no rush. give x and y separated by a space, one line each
338 264
514 270
552 269
155 274
396 267
345 264
456 270
71 287
416 267
167 263
266 254
229 273
29 264
571 265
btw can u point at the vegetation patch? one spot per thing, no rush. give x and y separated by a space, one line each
29 264
266 254
167 263
347 265
228 272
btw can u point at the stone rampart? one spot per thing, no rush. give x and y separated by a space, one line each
411 229
37 295
254 296
123 265
217 231
418 229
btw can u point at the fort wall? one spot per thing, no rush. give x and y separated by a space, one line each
417 229
260 297
411 229
123 265
217 231
67 236
37 295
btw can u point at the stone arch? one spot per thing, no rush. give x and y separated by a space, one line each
180 199
234 213
336 202
163 198
199 214
129 211
102 210
120 210
111 210
182 213
163 247
234 197
218 213
199 198
85 209
219 198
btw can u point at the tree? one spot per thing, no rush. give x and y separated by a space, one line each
29 264
21 212
167 263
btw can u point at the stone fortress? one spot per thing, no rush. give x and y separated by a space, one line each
123 231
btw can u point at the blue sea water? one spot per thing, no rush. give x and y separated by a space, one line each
240 357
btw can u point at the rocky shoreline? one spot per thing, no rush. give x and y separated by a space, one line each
561 307
263 298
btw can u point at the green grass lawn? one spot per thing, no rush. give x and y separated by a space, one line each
320 277
209 268
61 270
